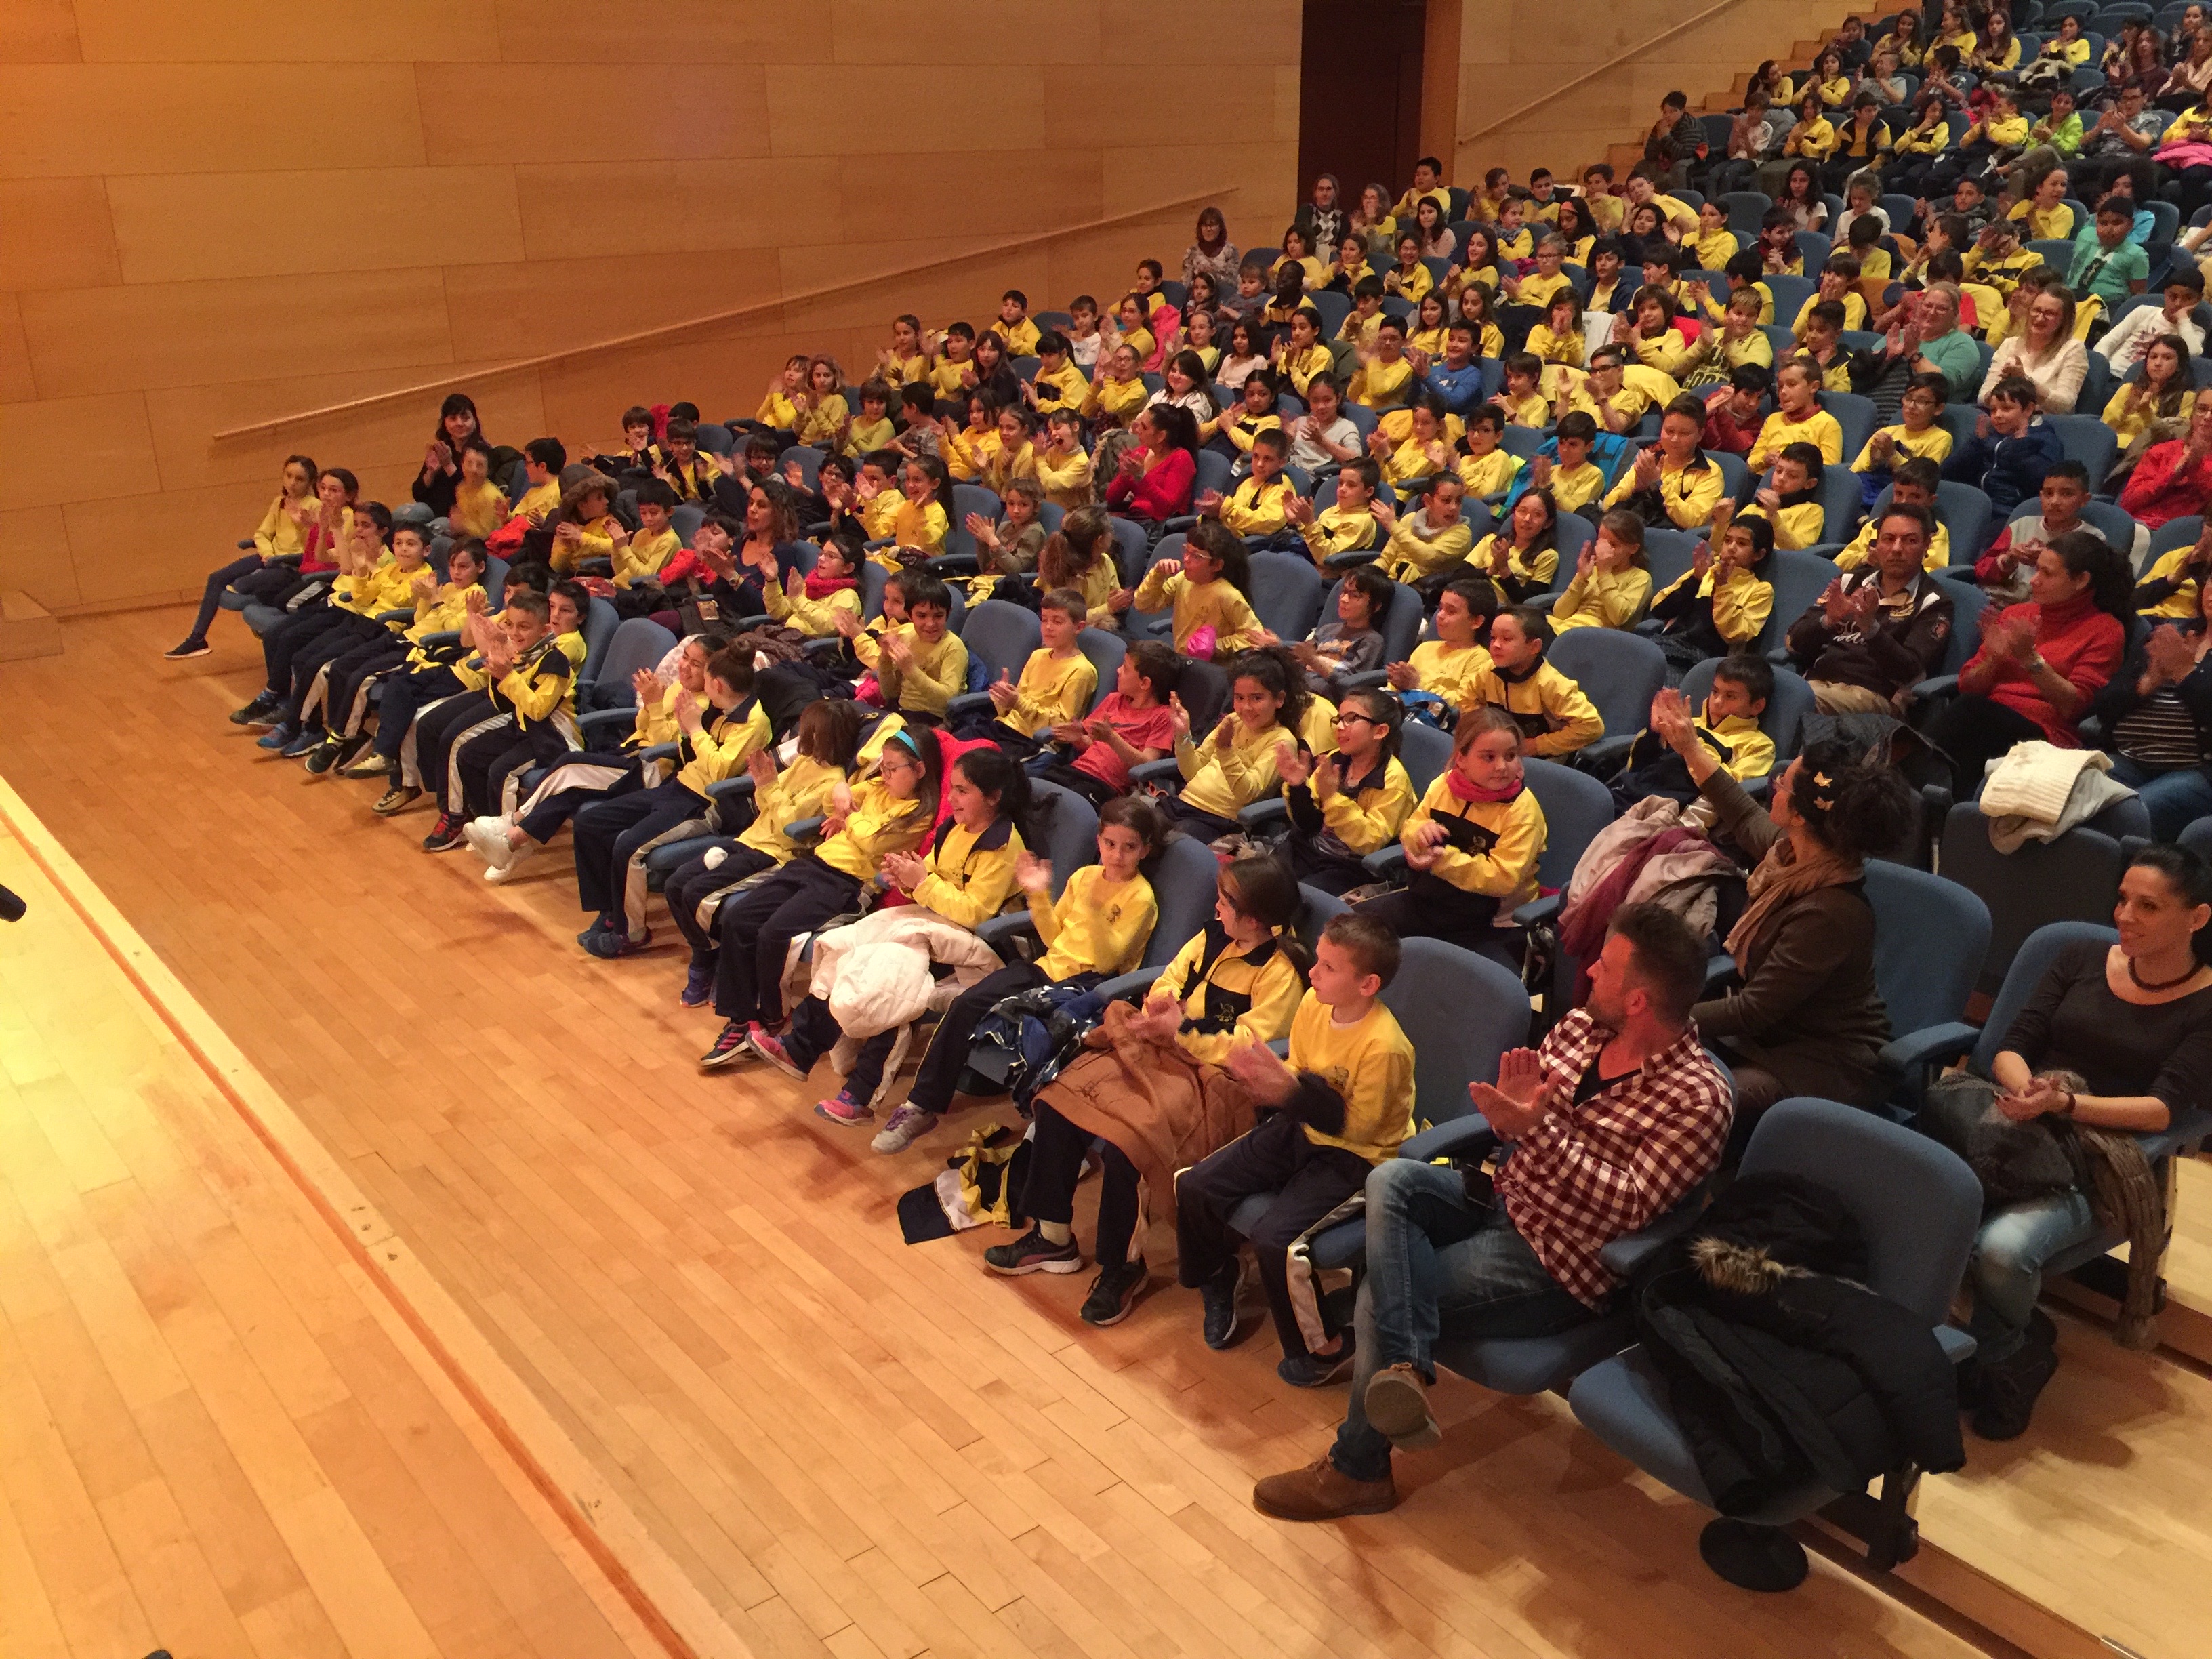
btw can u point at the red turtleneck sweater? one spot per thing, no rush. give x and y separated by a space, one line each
2082 645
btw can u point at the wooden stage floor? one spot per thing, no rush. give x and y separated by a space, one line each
452 1310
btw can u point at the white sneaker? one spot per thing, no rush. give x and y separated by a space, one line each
908 1124
503 857
480 833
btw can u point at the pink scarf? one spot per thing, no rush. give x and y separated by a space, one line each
1463 790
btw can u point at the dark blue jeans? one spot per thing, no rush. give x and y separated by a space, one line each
1439 1264
211 600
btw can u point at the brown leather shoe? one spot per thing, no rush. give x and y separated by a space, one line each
1397 1404
1320 1491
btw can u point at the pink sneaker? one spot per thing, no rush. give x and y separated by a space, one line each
841 1108
764 1044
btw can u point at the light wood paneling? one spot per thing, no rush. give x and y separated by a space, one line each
890 31
92 447
165 334
819 109
505 310
571 112
176 227
660 208
57 121
39 32
17 382
74 245
1103 104
34 558
273 31
111 543
978 197
669 31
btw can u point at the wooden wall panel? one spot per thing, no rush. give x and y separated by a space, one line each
88 447
573 112
174 228
161 334
233 211
59 120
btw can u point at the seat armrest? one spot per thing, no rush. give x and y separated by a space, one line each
595 568
952 564
1182 523
1386 863
730 789
605 720
1610 751
1958 1346
1459 1137
804 828
658 751
1158 771
1537 911
1265 816
244 542
1719 969
1351 559
966 703
439 640
1941 685
1624 1255
1130 986
827 646
1373 679
1002 933
1279 1047
1937 1045
403 616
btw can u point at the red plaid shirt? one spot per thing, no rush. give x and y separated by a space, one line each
1588 1174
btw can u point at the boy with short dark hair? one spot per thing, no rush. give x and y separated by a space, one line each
1258 508
1791 500
919 665
678 463
1015 327
1342 1104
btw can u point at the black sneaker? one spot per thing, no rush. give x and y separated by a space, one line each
2010 1388
322 757
445 834
1113 1294
1219 1295
256 713
1033 1253
729 1048
1307 1370
188 648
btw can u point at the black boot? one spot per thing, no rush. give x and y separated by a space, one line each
2010 1387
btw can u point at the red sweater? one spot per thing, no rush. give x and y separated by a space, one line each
2083 647
1164 492
2161 489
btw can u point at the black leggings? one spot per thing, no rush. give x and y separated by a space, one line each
217 583
947 1057
1974 732
758 927
1056 1154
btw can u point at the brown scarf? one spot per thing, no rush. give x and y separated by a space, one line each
1783 875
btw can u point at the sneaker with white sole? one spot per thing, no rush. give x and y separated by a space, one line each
1112 1294
505 859
846 1108
763 1042
907 1124
1033 1253
730 1047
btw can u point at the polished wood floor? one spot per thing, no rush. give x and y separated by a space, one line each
839 1443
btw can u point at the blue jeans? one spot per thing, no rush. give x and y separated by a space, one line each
2007 1268
211 599
2174 799
1439 1264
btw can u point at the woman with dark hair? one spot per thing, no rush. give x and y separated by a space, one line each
2041 662
441 458
1158 472
1804 1017
2114 1040
2156 712
1215 255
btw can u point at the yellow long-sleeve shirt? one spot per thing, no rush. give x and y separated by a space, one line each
1796 526
1689 493
865 436
1244 996
1504 840
656 719
639 559
1569 348
1064 388
478 509
1021 338
1933 445
1487 477
1096 926
1198 604
1378 384
878 823
1257 509
777 410
937 674
1225 781
2130 423
1336 530
1368 1065
278 536
541 684
1741 603
821 424
1241 428
1603 598
1302 366
721 746
1064 479
1051 691
1415 551
387 587
1117 401
1819 428
816 618
971 872
441 613
1365 820
1002 468
1412 460
1535 568
1571 486
1452 672
2173 566
1749 752
801 790
1550 710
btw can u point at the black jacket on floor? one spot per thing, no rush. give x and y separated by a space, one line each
1782 1368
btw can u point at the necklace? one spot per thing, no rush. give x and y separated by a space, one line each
2143 984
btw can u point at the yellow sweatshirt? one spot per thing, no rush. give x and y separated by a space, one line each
1369 820
1415 551
1819 428
1491 475
1505 839
1096 926
1256 509
938 672
971 872
1195 605
278 536
1604 599
1741 605
1066 479
1553 714
1368 1064
1051 692
478 509
1689 493
1450 671
387 587
1536 569
1225 783
721 746
820 425
878 824
639 559
1861 549
1337 529
816 618
801 790
1245 997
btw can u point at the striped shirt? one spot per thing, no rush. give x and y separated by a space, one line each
1597 1170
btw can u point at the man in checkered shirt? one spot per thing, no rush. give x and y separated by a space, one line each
1612 1123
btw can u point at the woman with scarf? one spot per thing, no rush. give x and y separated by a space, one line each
1804 1017
1214 255
2041 663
